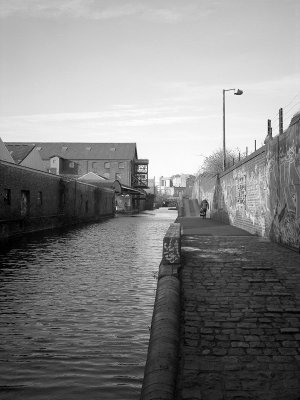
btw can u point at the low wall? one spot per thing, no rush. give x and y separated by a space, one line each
261 194
162 359
34 200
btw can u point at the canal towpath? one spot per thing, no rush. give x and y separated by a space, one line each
240 314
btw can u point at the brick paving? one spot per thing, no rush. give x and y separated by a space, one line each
240 319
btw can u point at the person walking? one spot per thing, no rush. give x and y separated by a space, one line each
204 206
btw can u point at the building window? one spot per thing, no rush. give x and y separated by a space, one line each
112 149
88 148
107 165
7 197
40 198
71 164
25 202
142 168
64 148
121 165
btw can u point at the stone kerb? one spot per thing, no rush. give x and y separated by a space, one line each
162 360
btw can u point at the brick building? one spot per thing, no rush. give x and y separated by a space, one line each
114 161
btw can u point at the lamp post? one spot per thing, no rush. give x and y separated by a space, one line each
238 92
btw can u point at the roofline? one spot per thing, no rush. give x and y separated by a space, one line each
37 142
21 144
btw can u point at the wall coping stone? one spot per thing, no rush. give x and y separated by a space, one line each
243 161
162 359
171 245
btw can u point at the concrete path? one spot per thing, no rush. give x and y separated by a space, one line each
240 316
191 208
208 227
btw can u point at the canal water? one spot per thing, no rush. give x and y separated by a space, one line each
76 307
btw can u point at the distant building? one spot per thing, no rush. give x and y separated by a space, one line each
127 199
179 191
151 186
165 186
189 185
165 181
180 180
114 161
176 186
26 155
62 166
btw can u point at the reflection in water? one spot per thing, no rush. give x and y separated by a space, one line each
76 307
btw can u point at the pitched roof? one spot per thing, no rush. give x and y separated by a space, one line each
104 183
93 176
86 151
19 151
4 153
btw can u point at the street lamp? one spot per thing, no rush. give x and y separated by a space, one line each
238 92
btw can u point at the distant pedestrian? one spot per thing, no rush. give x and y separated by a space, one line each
204 206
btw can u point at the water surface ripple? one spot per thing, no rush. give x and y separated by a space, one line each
76 307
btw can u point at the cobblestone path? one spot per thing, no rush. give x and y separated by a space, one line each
240 327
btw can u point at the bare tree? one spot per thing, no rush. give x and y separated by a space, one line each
213 164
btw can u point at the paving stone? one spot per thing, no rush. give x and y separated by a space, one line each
192 393
239 344
290 343
236 352
251 338
234 336
288 351
219 352
222 337
257 344
255 351
292 310
247 318
282 359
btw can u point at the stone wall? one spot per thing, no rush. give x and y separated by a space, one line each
261 194
283 186
33 200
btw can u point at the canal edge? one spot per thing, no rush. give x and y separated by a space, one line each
160 373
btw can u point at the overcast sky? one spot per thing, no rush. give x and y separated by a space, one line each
150 72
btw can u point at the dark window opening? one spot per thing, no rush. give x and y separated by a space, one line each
7 197
25 202
40 198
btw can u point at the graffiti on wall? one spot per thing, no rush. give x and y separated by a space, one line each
261 195
244 194
283 164
241 190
